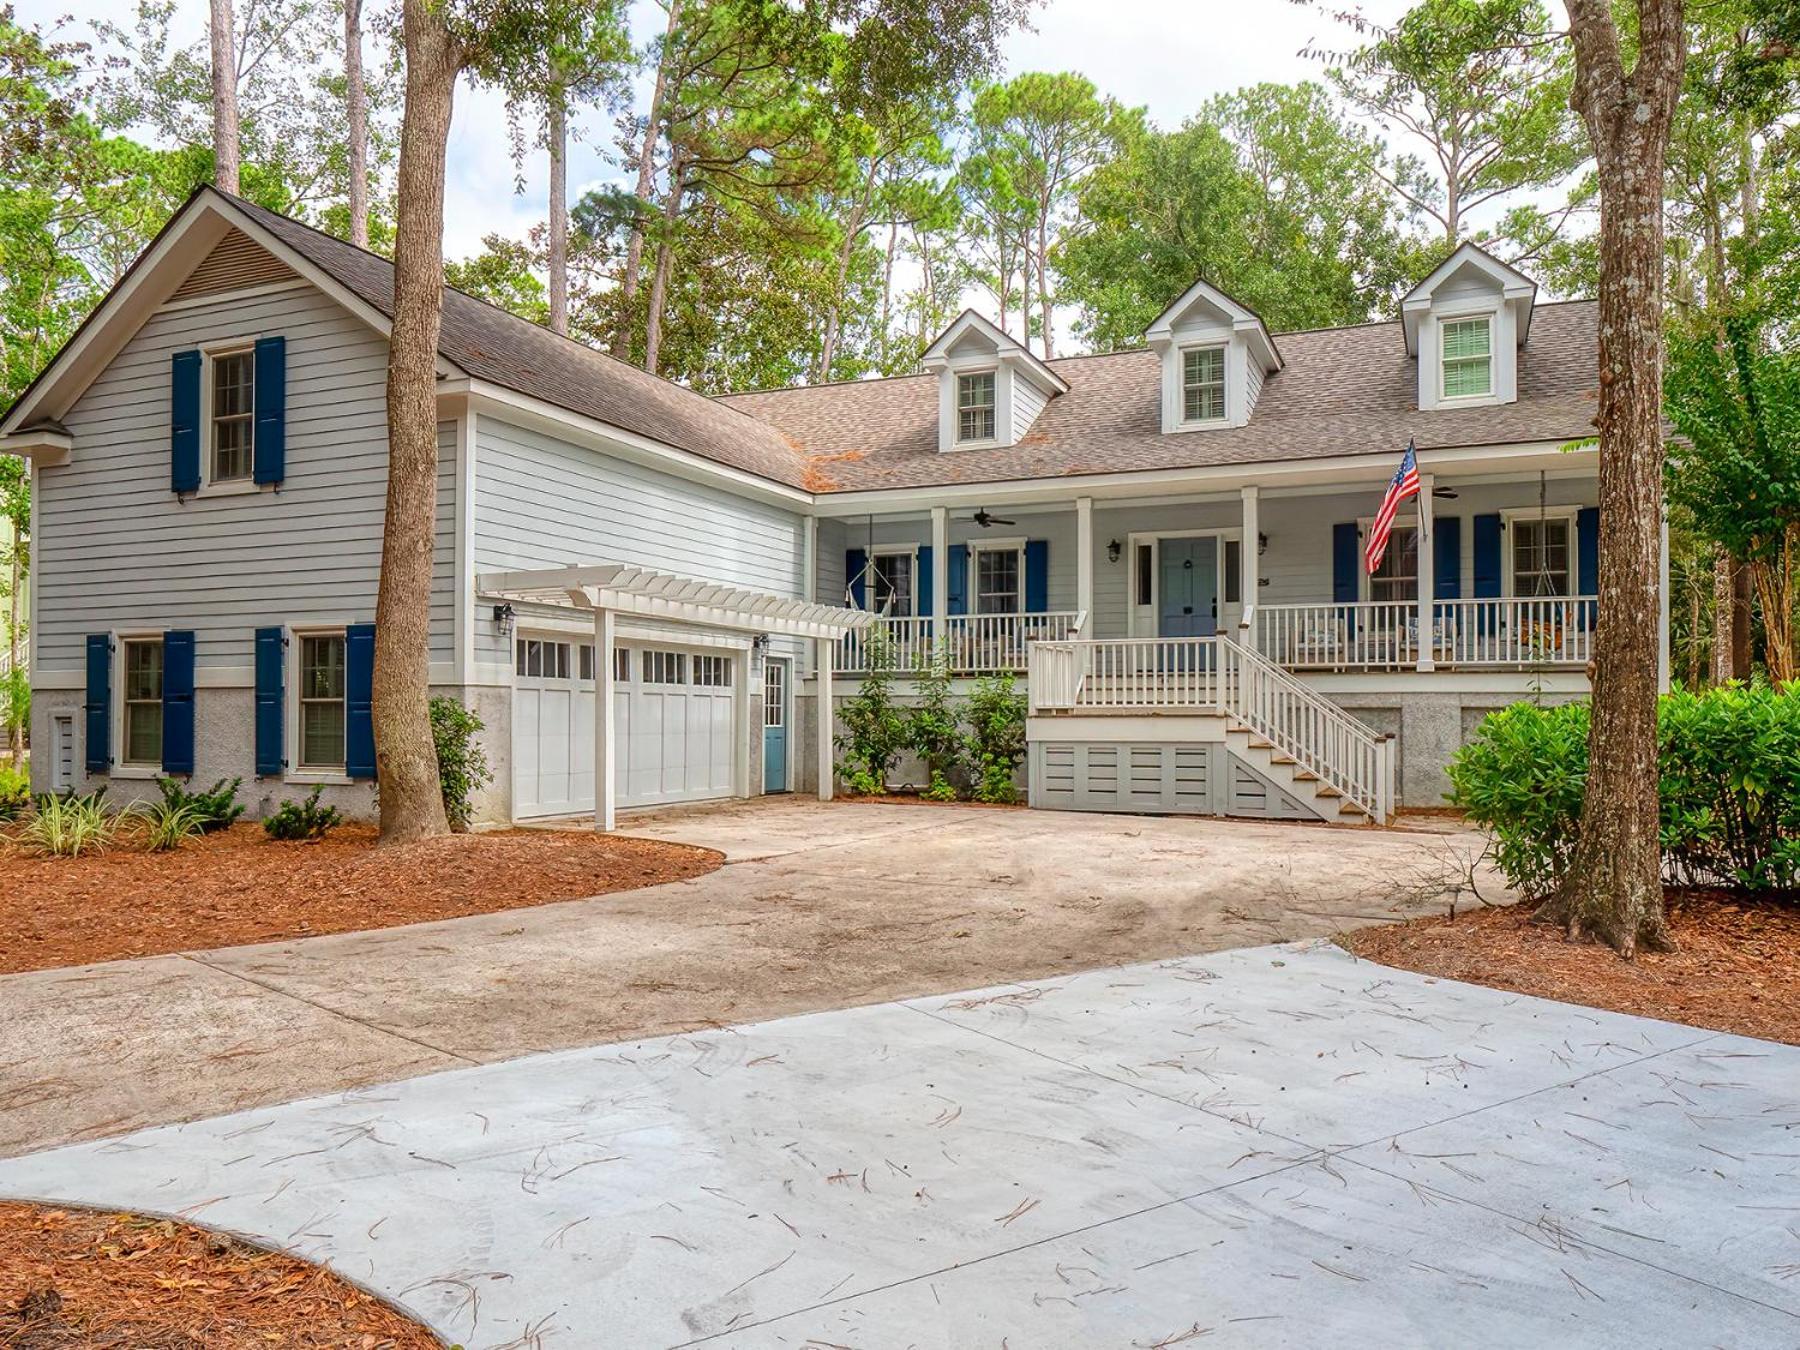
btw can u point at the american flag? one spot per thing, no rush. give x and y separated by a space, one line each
1404 484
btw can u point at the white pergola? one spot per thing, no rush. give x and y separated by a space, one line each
613 589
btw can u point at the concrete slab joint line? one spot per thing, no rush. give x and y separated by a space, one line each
1279 1145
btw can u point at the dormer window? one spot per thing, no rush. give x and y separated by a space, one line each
1203 384
975 407
1468 358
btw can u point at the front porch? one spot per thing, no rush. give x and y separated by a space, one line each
1487 574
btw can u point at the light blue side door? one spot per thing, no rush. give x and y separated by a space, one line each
776 674
1189 587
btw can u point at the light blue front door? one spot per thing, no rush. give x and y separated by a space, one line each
1189 587
775 724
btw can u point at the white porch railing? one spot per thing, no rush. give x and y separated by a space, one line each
1219 676
972 644
1384 634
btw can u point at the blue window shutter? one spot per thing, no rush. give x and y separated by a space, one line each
1446 558
1346 557
178 702
856 577
98 708
184 422
269 449
1487 556
271 702
922 590
359 697
1037 576
956 580
1346 553
1587 550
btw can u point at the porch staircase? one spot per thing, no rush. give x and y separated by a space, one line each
1201 692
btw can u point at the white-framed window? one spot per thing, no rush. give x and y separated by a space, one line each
543 658
585 664
142 663
1398 576
975 406
662 667
999 580
712 672
1541 552
321 685
1468 357
622 664
891 584
1203 384
231 415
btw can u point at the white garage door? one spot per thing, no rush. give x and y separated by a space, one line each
673 713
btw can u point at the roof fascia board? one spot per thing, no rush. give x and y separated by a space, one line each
1348 470
509 405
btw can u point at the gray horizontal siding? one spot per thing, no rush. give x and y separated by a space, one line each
542 502
117 550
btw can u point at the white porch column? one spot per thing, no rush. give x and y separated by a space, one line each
1249 563
809 577
940 581
1084 563
1427 573
826 718
748 725
605 735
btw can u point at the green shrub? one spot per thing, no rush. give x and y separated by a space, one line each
170 823
996 737
66 826
304 819
15 793
933 732
462 763
873 728
1728 765
215 809
1521 778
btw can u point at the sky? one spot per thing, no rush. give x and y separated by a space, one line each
1149 53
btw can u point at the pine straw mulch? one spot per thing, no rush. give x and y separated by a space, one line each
73 1277
1736 966
239 886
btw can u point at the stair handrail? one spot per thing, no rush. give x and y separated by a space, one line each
1263 697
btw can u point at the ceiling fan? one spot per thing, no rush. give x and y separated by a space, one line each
983 519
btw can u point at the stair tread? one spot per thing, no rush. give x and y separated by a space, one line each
1305 776
1326 790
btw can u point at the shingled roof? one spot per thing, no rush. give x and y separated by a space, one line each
1343 391
503 349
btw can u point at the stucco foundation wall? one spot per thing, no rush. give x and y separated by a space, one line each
225 747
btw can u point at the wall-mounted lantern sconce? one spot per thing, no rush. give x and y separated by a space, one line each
1113 549
503 615
1262 543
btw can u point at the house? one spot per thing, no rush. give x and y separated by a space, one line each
1166 543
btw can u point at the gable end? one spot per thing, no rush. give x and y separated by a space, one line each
236 261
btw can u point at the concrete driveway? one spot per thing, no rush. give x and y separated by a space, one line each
819 906
1273 1146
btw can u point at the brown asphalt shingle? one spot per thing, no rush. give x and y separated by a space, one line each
1342 391
503 349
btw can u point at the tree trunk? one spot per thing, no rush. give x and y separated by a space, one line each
1613 891
406 764
887 293
846 251
356 110
1742 600
1724 616
1025 296
665 263
1043 274
224 98
559 203
646 181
